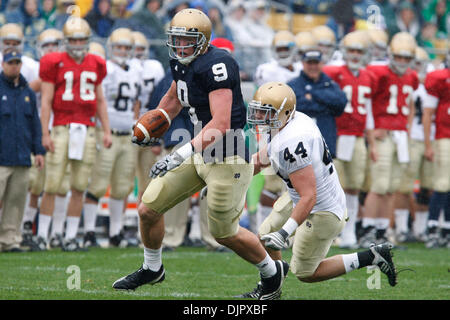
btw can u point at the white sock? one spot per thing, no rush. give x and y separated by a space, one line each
351 262
382 223
420 222
29 215
368 222
72 227
195 232
43 225
89 216
348 234
401 220
59 215
152 259
115 216
267 267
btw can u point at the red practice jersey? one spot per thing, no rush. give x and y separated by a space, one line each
359 91
391 96
437 84
74 99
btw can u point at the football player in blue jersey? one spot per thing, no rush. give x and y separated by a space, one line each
206 80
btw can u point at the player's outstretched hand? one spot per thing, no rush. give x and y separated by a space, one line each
146 142
276 240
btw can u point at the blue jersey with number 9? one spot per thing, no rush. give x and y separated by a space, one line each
216 69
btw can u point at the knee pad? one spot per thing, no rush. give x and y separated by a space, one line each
423 197
220 198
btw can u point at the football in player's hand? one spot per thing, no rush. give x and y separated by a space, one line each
153 124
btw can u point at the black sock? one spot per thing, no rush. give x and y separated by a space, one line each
365 258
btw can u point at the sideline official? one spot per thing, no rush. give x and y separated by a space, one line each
20 135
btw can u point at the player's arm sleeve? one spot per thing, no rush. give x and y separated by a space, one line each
222 73
101 71
47 69
370 122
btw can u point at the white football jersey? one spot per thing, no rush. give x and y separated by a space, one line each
30 68
420 97
273 71
298 145
153 72
121 89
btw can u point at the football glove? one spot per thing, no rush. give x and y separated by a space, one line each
171 161
276 240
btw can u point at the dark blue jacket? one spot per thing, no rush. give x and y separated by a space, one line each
181 121
20 127
327 102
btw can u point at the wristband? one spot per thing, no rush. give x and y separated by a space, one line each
290 226
186 151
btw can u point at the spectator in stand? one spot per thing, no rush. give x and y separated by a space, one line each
427 38
28 17
62 12
256 49
100 19
147 22
407 20
438 12
119 9
220 29
172 9
47 10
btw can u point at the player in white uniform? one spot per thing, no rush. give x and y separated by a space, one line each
315 209
282 68
115 166
50 40
419 167
153 72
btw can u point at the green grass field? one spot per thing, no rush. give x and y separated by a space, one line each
194 273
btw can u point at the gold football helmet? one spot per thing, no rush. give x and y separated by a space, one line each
354 48
304 41
326 41
189 29
11 36
120 45
141 45
273 105
50 40
98 49
283 47
378 43
421 60
402 50
76 29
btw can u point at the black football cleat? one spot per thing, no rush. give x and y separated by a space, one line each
383 259
252 294
271 287
140 277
